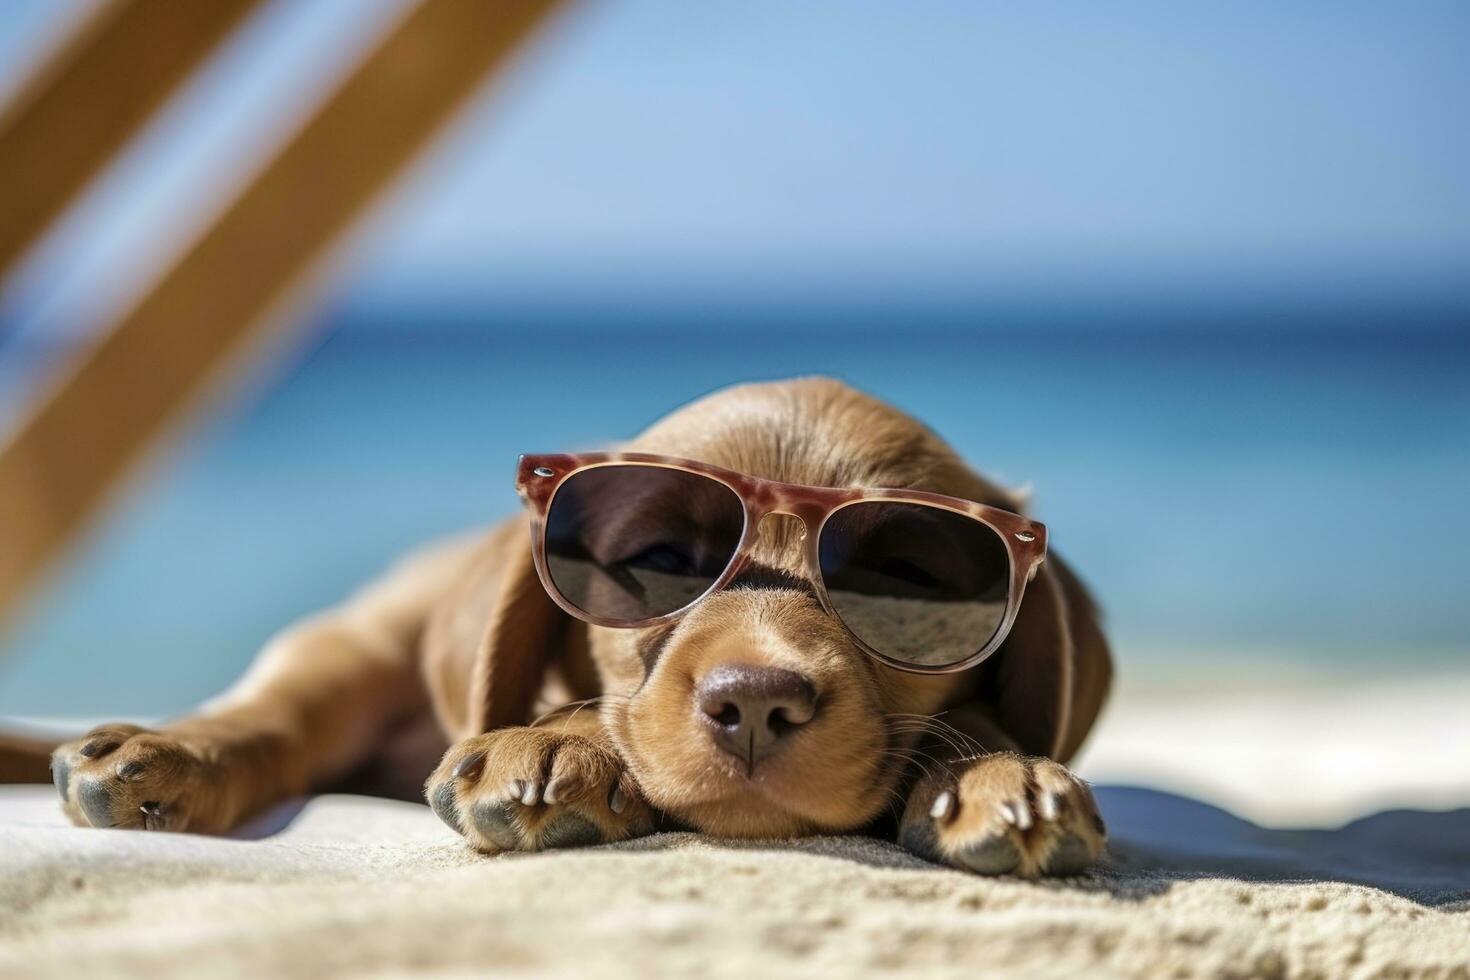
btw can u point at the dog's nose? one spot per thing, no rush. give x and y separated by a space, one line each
751 710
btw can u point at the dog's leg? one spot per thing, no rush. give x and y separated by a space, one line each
311 707
560 783
986 808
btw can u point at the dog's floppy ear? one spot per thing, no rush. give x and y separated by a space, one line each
524 633
1050 678
1047 682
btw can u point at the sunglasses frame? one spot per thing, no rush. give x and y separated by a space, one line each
539 477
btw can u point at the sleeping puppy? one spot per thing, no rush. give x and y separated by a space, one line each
713 644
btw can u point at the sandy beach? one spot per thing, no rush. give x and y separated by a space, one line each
1209 873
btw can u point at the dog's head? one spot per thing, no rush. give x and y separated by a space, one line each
836 724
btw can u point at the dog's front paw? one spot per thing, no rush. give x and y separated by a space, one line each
1004 814
131 778
531 789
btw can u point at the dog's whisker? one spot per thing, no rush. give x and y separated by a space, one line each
916 764
957 750
896 802
960 743
964 737
577 706
955 747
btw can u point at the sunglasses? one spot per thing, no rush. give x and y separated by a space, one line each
923 582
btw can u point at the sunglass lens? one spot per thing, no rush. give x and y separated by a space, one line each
630 542
918 584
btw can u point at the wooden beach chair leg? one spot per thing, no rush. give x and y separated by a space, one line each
89 98
217 303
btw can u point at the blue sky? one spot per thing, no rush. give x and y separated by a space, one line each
661 152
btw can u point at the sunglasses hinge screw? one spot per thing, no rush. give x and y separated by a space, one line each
544 471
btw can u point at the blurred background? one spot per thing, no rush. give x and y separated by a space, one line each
1198 275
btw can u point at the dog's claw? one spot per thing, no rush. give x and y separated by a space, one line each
552 794
1008 814
528 797
469 767
617 800
943 806
99 747
1048 807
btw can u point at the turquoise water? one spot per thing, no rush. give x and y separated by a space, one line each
1297 497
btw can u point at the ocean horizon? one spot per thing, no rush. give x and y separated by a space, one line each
1286 496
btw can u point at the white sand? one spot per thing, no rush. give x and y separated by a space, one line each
348 886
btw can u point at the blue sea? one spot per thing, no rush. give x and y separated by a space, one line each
1293 494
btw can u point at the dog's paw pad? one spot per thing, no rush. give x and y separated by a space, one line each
61 775
994 855
1069 856
570 830
444 801
495 822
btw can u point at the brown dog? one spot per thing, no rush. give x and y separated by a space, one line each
967 765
